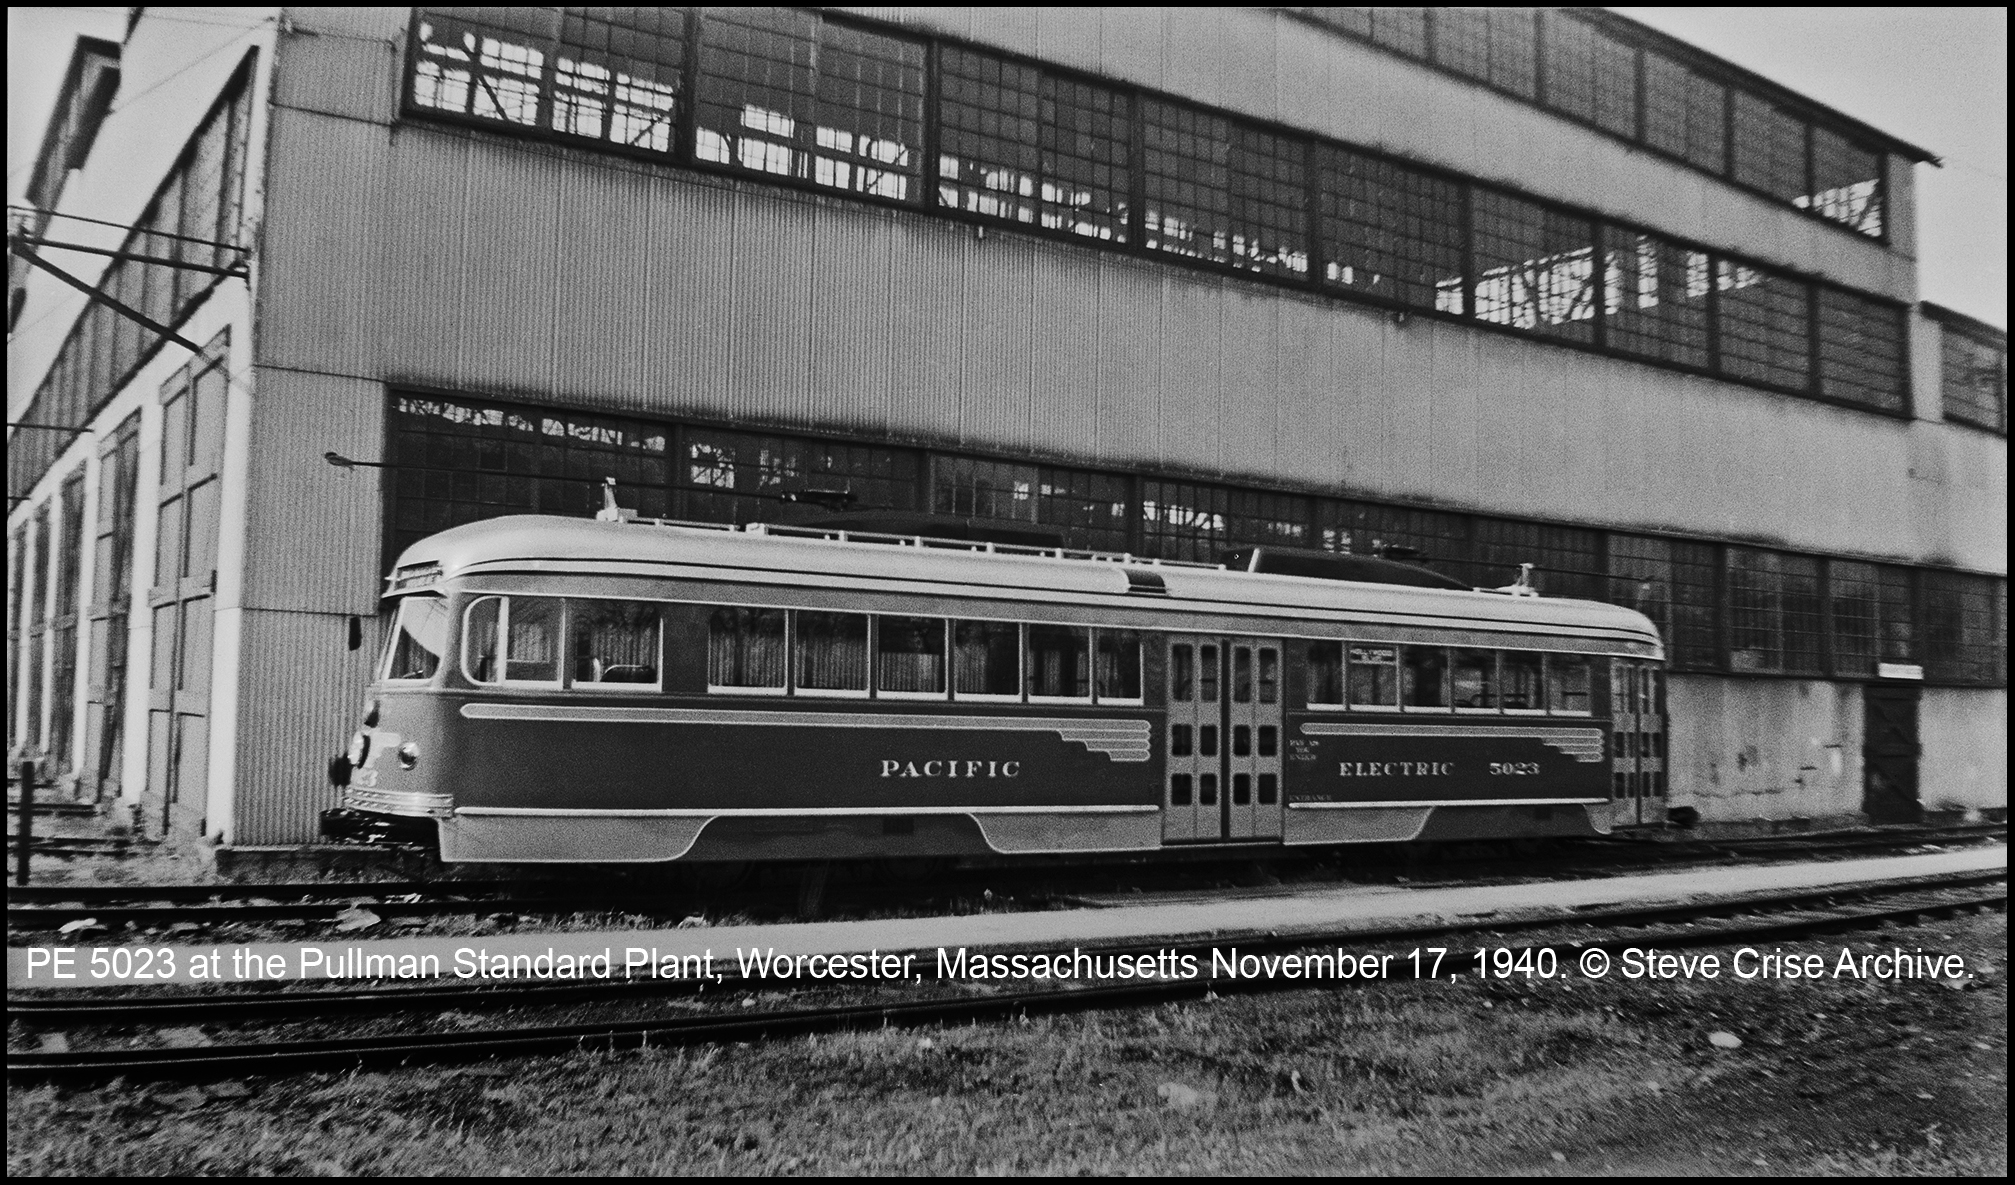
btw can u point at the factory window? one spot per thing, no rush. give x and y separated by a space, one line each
201 198
493 67
459 461
1769 149
1685 113
1846 182
1674 584
740 477
1088 508
784 92
617 75
1963 628
1390 231
1774 612
1027 146
1974 378
1189 521
64 617
1763 326
1492 45
1860 350
1871 616
1219 191
1590 75
1535 267
1567 561
1655 297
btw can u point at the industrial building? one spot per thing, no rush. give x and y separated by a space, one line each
1490 287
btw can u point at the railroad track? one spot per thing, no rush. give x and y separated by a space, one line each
49 907
1749 919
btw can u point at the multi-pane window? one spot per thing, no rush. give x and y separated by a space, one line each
1088 508
1973 378
1390 231
488 62
1769 148
1432 537
741 477
1675 584
786 93
1025 145
1535 266
617 75
1871 616
1655 297
1763 323
1220 191
459 461
1774 612
1492 45
1567 561
1685 113
1189 521
1964 628
1861 350
1590 75
1846 182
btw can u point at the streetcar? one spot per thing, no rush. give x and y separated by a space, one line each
613 690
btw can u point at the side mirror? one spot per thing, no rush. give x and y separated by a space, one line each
356 632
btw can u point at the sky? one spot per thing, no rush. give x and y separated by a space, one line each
1936 77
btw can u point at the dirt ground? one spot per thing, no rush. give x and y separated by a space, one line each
1471 1077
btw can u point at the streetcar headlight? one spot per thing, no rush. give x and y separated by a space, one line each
409 755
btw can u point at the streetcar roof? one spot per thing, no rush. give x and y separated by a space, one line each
546 545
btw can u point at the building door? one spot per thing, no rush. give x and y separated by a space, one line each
185 582
112 604
1889 750
1637 751
1224 727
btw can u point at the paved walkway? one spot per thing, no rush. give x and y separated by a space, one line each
1349 906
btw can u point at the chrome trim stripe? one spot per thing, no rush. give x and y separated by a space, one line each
1120 740
799 812
1582 744
364 799
1351 806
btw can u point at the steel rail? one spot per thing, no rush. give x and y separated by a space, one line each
154 1008
434 1048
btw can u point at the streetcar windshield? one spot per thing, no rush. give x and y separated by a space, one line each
419 637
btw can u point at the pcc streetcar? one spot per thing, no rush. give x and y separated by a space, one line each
576 690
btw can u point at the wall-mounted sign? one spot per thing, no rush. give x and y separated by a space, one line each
1899 670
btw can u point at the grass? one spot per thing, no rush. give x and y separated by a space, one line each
1416 1078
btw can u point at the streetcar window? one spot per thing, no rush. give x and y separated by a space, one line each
1325 673
986 659
614 643
512 640
1423 678
1241 674
1521 670
832 650
1374 677
1059 662
1269 675
1474 676
419 637
1118 666
1568 683
745 649
1181 674
910 656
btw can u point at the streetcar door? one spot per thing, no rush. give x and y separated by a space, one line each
1224 729
1637 726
